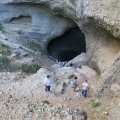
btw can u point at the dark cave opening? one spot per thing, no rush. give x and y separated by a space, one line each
68 45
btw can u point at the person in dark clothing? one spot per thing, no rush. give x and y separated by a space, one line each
63 87
74 83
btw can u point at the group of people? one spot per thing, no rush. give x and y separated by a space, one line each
85 86
73 82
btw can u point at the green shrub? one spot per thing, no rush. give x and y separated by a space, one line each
94 103
29 44
4 62
2 27
33 68
4 49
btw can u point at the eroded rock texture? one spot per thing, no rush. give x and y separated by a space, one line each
38 23
103 13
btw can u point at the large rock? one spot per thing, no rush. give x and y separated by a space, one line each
110 81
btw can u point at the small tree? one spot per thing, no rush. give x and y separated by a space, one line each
33 68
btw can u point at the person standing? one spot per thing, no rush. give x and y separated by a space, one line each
63 85
47 83
85 88
74 83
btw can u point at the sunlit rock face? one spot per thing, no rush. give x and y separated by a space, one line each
104 13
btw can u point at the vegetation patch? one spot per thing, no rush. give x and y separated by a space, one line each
2 28
33 46
4 49
29 44
33 68
94 103
4 62
44 106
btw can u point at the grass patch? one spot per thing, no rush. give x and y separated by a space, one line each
4 62
33 68
4 49
29 44
94 103
2 28
44 106
33 46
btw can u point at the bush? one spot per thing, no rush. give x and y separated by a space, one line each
29 44
4 62
30 68
4 49
94 103
2 27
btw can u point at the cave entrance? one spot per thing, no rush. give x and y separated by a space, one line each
67 46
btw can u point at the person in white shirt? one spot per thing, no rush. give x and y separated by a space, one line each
85 88
47 83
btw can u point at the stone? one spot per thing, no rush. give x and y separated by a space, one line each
105 113
69 117
3 36
83 115
25 54
81 59
15 53
46 102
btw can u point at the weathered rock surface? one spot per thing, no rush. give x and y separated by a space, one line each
42 20
110 81
37 22
78 61
104 13
40 23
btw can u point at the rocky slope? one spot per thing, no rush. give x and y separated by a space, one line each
34 23
44 20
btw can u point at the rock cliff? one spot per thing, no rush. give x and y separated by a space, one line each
103 13
43 20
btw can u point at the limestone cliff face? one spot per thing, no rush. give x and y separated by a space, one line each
37 22
109 85
99 20
50 19
104 13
